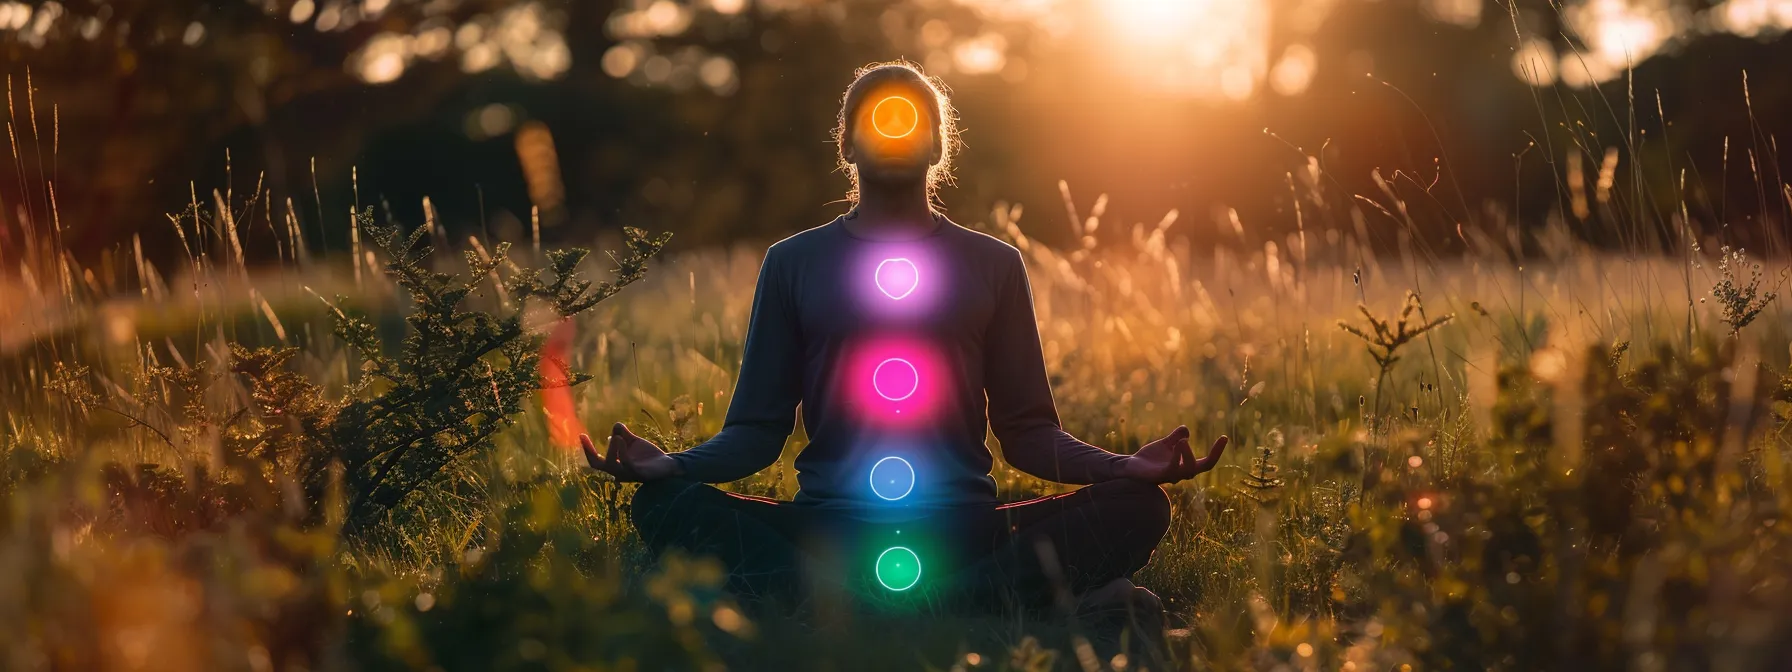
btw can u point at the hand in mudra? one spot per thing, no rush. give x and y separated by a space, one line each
629 458
1169 459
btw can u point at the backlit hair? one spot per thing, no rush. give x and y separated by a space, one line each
936 101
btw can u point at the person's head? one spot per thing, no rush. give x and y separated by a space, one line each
897 125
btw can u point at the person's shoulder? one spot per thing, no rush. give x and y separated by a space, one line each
984 244
802 242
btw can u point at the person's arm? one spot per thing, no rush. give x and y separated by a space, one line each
1021 412
762 411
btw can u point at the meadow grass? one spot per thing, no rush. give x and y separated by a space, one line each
1273 557
1529 454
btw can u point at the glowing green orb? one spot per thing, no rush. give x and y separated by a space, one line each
898 568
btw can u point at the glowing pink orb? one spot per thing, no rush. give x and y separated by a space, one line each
897 277
895 379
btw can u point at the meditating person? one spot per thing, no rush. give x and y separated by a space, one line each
903 337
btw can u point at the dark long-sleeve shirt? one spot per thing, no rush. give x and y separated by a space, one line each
910 349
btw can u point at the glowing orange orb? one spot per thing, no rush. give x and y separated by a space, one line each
895 117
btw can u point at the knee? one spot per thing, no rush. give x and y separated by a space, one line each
1145 503
653 500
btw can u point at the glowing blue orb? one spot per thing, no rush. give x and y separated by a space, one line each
897 278
896 379
892 478
898 568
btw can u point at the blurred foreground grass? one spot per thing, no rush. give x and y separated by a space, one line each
1584 463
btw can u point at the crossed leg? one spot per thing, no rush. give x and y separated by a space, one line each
1061 546
757 539
1024 554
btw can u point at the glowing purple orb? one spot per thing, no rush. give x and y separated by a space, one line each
895 379
897 277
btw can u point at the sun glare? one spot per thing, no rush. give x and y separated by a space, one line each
1153 19
1206 48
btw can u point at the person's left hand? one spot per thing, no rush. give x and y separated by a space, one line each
1169 459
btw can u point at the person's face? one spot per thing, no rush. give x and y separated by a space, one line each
893 136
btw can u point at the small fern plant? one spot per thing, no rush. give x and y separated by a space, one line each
1385 337
1261 482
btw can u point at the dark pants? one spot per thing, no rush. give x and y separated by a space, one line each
1022 555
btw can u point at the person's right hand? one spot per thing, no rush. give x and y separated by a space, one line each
630 458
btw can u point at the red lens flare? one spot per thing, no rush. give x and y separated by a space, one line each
564 425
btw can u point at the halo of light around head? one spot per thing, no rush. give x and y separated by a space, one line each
892 478
895 117
897 277
896 379
898 568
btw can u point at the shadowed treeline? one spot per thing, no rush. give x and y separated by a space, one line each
122 113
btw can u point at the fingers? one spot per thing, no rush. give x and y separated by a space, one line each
1213 454
616 460
613 455
590 450
1180 433
596 461
622 462
1186 465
